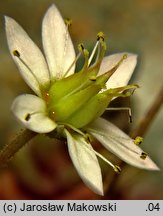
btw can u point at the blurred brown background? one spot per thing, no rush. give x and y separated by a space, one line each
43 170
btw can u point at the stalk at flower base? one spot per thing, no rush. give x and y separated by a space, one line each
70 103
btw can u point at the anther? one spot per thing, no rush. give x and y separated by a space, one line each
27 117
81 47
138 140
143 155
83 51
117 169
88 138
68 22
101 36
85 54
125 56
101 46
16 53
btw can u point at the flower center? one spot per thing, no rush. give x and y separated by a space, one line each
80 98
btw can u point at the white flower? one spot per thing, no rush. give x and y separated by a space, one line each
43 75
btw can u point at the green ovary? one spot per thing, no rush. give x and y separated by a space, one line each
70 94
69 104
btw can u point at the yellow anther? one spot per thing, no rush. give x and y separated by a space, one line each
138 140
16 53
83 50
125 56
68 22
117 169
101 36
81 47
143 155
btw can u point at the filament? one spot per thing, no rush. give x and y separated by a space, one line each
17 54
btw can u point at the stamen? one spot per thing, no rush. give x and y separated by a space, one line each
116 168
68 22
101 50
138 140
29 115
17 54
121 108
86 55
83 51
88 138
81 47
100 37
72 64
117 141
143 155
93 52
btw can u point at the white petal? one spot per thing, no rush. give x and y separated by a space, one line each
26 104
85 162
57 43
31 55
120 144
123 74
